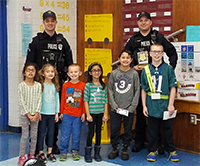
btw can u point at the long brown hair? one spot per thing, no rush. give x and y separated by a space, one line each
55 80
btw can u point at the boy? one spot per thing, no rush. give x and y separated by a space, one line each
72 112
158 84
124 91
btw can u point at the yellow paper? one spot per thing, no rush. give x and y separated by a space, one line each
98 27
102 56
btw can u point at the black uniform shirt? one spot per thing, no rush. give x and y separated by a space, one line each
33 54
135 46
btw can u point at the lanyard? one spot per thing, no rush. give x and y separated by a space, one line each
157 78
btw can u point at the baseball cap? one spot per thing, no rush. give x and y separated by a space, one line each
49 13
144 14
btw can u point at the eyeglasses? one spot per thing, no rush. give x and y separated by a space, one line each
96 71
156 52
31 70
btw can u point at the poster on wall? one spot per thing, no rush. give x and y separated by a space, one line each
188 64
102 56
99 27
26 28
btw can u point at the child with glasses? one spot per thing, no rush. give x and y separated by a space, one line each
96 106
30 94
158 83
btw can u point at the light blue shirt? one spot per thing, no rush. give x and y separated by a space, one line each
50 100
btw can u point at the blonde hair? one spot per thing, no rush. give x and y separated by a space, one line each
74 65
55 80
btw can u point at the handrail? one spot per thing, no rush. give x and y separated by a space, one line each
167 37
174 34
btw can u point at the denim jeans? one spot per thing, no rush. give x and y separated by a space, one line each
70 125
115 125
46 125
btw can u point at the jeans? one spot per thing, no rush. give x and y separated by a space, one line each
153 129
47 124
115 125
70 125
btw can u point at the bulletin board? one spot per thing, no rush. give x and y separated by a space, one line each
188 64
160 11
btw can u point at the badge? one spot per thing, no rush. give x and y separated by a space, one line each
142 58
155 96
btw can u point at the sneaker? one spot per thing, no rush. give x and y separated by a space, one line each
30 156
42 158
63 157
125 152
21 161
75 155
114 152
173 156
152 156
51 157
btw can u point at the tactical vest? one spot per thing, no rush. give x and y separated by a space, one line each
141 44
52 52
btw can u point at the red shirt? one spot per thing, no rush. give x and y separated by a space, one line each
72 102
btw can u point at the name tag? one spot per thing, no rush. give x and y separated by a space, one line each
155 96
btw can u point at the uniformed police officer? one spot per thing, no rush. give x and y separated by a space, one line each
53 48
139 44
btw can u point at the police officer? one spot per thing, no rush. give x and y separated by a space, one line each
139 44
53 48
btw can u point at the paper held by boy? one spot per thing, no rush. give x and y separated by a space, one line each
122 111
166 115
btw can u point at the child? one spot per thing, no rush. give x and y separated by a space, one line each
30 94
49 111
96 106
124 91
158 84
72 112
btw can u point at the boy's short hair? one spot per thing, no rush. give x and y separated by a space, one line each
127 51
74 65
157 44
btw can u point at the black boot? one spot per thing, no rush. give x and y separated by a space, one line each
114 152
137 147
125 152
97 155
88 157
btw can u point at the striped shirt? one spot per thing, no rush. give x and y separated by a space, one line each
96 97
29 98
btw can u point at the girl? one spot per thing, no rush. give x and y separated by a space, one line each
30 94
48 77
96 106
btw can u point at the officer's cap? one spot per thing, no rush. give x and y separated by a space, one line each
49 13
144 14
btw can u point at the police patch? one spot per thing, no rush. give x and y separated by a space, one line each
60 46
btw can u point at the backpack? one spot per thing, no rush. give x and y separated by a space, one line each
34 162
